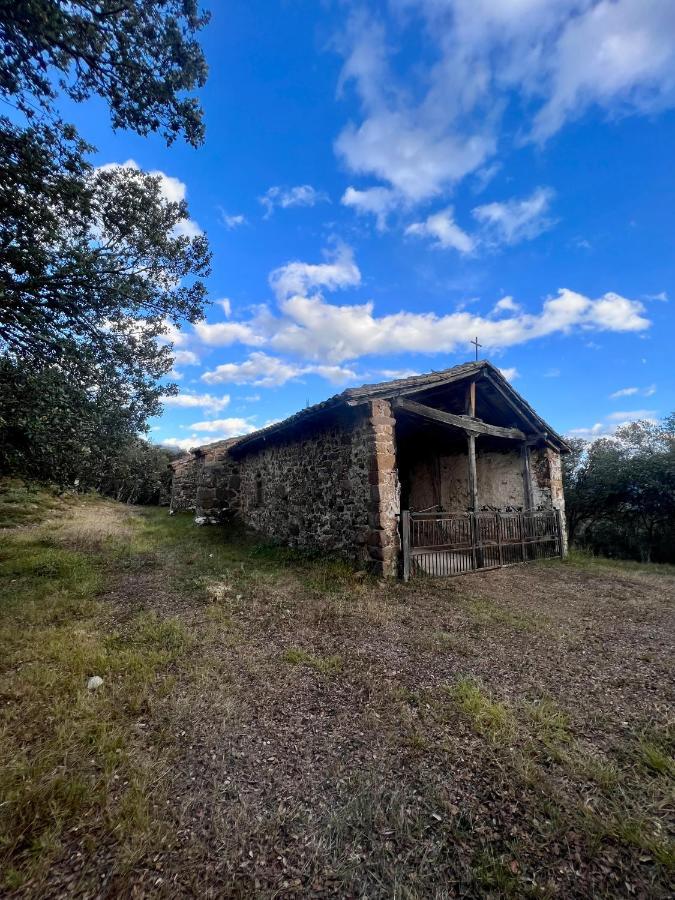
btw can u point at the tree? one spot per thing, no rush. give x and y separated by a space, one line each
620 492
139 55
95 264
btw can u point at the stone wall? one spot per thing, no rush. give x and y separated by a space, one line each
217 494
186 473
333 487
445 476
547 484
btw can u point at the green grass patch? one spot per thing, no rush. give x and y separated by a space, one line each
327 665
24 503
68 753
487 613
487 715
582 560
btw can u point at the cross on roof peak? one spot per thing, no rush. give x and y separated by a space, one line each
476 345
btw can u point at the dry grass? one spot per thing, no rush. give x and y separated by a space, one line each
272 724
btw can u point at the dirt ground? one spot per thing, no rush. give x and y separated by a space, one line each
285 727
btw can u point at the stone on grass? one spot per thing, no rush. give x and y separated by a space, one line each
94 682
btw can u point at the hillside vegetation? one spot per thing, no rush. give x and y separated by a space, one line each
276 725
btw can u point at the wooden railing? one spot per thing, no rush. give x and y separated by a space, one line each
440 544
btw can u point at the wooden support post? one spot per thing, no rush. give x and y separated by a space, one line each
473 501
470 403
405 542
473 480
527 475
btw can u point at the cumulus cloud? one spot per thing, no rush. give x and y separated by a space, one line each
508 222
511 373
444 231
172 189
299 277
285 197
306 326
264 370
221 334
516 220
190 400
377 201
185 358
506 304
228 427
427 123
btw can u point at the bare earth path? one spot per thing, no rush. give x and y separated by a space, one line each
276 726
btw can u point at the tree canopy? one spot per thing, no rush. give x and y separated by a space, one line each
95 263
620 492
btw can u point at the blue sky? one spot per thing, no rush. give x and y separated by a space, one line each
381 181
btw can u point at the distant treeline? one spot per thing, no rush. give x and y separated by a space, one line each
620 493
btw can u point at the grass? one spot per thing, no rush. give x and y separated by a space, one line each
25 504
271 722
69 754
584 560
327 665
487 715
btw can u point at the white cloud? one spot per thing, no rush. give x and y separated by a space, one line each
299 277
300 195
263 370
185 358
189 400
510 374
617 53
378 201
650 391
445 232
225 305
172 189
308 327
181 443
662 297
172 334
222 334
516 220
232 221
632 415
506 304
611 423
429 119
228 427
624 392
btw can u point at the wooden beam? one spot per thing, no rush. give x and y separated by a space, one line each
467 423
511 402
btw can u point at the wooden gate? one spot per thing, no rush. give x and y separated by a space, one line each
440 544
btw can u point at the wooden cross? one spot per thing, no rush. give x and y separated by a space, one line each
477 345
